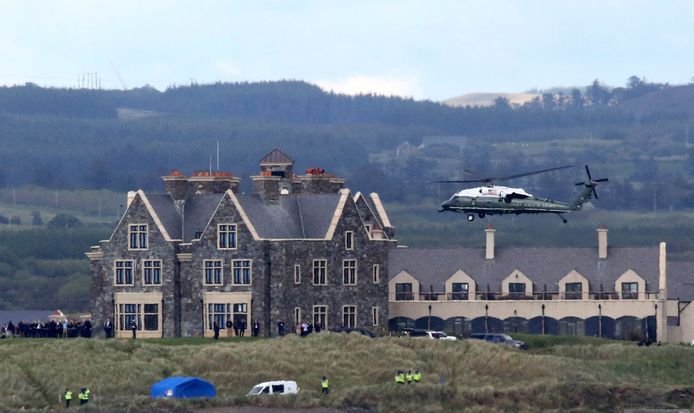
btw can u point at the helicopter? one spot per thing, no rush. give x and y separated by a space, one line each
492 199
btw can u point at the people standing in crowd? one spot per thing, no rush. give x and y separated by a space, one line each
215 327
304 329
68 397
400 377
325 386
83 396
243 327
417 376
133 327
408 376
280 328
317 327
256 328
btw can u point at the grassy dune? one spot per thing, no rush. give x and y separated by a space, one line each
478 376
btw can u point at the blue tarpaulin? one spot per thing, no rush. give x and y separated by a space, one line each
183 388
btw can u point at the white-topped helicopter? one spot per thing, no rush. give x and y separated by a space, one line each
498 200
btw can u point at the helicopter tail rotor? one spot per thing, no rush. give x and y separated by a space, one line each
591 183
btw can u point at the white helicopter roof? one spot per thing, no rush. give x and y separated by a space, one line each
492 192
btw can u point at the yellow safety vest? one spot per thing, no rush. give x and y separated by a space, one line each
68 395
400 378
86 394
324 384
408 377
417 377
82 396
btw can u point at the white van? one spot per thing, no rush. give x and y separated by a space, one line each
275 387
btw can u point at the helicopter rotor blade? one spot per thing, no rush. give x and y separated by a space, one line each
601 180
595 194
588 172
463 181
532 173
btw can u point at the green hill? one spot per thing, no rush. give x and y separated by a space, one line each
464 375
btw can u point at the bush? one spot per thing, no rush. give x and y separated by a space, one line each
64 221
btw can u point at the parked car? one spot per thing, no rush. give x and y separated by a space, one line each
275 387
360 330
434 335
499 338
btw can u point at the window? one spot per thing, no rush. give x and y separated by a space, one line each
516 290
133 312
151 317
376 273
349 316
460 291
574 291
349 272
297 316
320 315
219 313
368 229
213 272
320 268
297 274
278 388
151 272
128 314
403 292
349 240
137 233
226 236
630 291
198 234
374 316
242 271
124 272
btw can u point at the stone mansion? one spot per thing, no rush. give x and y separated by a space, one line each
300 248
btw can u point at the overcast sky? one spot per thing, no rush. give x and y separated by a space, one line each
424 49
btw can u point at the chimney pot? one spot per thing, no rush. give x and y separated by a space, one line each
602 242
490 242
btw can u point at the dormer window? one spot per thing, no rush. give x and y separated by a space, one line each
630 291
226 236
137 234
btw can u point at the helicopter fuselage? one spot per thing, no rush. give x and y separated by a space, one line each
498 200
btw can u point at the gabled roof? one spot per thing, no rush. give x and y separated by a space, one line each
276 157
544 266
302 216
293 217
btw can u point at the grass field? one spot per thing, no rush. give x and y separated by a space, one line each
564 375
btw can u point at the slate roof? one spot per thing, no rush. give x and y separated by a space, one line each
374 211
680 283
169 216
275 157
544 266
294 217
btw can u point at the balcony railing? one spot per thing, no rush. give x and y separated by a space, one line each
497 296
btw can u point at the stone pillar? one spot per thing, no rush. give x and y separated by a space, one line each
490 242
602 242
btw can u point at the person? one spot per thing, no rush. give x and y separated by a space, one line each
108 328
230 326
325 386
280 328
400 377
133 327
215 327
256 328
243 327
68 397
408 376
237 327
83 396
304 329
417 376
317 328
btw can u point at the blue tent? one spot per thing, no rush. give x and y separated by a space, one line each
183 388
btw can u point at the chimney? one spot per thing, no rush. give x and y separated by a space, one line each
215 182
176 185
490 242
317 181
662 266
602 242
267 186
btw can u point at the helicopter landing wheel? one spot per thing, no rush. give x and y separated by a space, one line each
470 218
564 220
481 215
